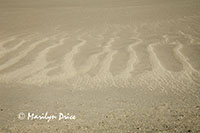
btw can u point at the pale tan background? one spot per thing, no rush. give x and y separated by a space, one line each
118 65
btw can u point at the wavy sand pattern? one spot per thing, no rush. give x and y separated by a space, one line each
132 58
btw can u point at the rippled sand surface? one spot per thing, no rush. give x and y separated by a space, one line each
119 66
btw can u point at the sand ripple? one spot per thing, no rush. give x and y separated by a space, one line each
153 53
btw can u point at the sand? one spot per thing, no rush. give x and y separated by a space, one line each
118 66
